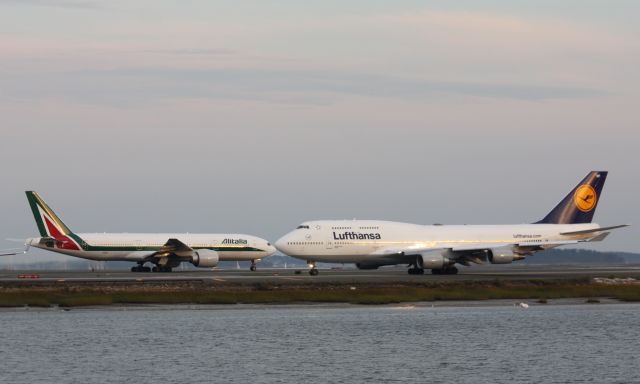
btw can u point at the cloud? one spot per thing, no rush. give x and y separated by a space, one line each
124 86
195 51
70 4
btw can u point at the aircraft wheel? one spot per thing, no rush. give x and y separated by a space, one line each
154 269
134 269
313 272
420 271
252 268
452 271
146 269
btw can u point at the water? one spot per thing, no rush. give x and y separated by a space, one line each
500 344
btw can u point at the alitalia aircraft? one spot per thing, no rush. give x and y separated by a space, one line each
371 244
165 251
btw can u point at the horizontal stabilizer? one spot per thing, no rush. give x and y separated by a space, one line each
600 237
594 230
14 251
10 252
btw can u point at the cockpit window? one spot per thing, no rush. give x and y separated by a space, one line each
303 227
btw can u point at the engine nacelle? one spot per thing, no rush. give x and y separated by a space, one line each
432 261
368 265
205 258
504 255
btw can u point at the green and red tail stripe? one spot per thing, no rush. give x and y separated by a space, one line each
50 225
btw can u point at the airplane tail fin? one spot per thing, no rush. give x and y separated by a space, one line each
580 204
49 224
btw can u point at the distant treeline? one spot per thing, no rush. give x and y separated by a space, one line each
554 256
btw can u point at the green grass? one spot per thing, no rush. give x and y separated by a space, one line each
265 294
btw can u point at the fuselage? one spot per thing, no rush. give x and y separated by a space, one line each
137 246
354 241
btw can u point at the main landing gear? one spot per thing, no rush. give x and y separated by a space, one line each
313 271
252 268
445 271
140 268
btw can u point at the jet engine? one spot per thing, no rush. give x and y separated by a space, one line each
504 255
368 265
205 258
432 261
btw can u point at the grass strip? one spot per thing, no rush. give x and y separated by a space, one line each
264 294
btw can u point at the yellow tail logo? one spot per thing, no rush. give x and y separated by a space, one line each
585 198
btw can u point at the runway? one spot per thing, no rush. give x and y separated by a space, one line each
384 276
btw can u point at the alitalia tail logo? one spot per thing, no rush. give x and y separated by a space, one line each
235 241
54 230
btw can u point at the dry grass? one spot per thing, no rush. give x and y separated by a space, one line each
267 294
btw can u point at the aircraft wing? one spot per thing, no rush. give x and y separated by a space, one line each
175 247
487 246
391 252
475 253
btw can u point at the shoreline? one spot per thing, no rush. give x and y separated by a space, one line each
492 303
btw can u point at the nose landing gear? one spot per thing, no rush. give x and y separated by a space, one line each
252 268
313 271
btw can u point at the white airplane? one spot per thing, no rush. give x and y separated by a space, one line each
371 243
165 251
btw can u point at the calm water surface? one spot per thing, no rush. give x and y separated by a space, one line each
542 344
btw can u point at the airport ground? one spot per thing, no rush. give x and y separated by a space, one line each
287 286
284 277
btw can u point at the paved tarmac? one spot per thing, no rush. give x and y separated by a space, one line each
300 276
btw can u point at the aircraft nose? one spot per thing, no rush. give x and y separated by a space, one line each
271 249
281 244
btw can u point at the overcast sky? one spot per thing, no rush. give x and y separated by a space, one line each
252 116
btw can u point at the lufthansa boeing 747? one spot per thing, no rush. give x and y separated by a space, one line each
163 251
371 244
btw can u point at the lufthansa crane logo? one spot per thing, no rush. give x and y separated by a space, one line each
585 198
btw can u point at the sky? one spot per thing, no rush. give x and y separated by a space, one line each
253 116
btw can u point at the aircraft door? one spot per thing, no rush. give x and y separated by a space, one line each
329 242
